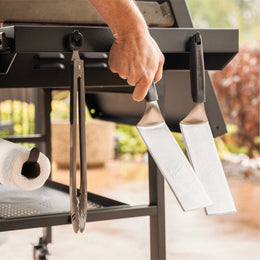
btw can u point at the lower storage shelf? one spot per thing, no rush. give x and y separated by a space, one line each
49 206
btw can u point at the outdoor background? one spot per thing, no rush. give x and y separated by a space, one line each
122 171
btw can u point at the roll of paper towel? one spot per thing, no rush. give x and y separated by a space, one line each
13 170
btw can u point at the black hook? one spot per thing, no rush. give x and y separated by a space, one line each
75 40
197 70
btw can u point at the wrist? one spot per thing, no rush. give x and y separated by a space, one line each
122 16
127 22
133 29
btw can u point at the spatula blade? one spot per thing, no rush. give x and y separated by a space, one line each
204 158
174 166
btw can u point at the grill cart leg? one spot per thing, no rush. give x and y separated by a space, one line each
157 223
43 125
40 250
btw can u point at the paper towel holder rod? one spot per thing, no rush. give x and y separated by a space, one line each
34 155
31 169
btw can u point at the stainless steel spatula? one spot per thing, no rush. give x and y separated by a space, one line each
169 157
199 140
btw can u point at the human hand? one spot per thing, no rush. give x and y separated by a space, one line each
138 59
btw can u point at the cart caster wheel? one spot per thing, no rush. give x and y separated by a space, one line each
40 252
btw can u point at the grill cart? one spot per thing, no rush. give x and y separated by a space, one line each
40 55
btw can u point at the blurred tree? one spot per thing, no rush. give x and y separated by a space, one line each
237 87
242 14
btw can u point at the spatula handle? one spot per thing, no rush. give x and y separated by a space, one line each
152 94
197 71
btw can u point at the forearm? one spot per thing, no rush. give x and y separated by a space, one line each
134 55
122 16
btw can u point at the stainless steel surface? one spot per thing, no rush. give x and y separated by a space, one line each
152 115
76 12
204 157
170 159
15 203
78 203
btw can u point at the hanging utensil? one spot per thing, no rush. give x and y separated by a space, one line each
170 159
199 140
78 202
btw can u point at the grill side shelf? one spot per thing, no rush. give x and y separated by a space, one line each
37 38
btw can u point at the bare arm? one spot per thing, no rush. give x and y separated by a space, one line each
134 55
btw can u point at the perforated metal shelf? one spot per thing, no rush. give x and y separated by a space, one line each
15 203
46 206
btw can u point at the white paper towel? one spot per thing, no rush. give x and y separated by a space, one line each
12 159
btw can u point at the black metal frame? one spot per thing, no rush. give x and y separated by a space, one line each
176 53
30 42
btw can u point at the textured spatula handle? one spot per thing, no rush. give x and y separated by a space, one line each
197 71
152 94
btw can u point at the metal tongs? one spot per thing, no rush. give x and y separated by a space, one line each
78 201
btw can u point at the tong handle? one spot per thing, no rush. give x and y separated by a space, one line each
78 204
197 71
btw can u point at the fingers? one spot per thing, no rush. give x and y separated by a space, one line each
140 91
139 61
142 86
120 70
159 72
131 83
122 76
143 80
118 62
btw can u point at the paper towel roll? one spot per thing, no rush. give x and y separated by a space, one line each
13 170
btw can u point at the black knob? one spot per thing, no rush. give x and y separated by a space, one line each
75 40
